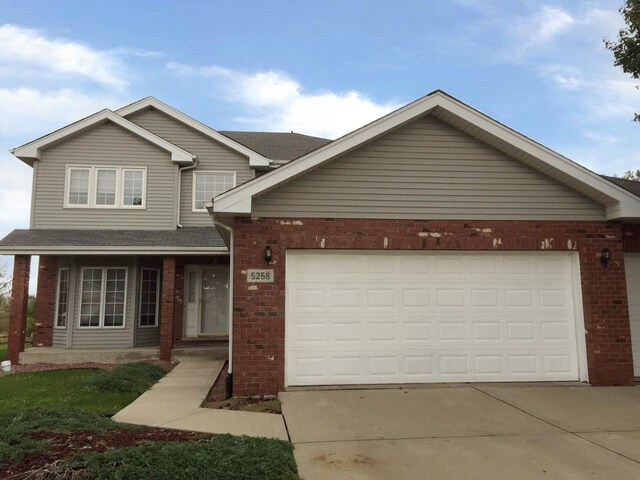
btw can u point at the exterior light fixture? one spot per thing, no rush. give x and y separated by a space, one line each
268 254
605 255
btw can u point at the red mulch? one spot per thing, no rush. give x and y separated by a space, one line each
64 445
42 367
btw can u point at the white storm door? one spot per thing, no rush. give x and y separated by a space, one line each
357 317
632 268
214 294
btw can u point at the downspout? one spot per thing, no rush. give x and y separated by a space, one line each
180 170
229 384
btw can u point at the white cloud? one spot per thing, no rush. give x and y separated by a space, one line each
29 48
541 29
29 110
275 101
564 76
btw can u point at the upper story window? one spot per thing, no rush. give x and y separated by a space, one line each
105 187
207 185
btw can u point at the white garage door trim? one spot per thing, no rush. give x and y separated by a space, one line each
571 272
632 269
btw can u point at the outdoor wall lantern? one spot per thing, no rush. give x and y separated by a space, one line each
605 255
268 254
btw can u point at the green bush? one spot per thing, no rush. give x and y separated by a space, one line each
223 457
128 378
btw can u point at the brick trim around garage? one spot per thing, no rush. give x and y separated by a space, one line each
259 309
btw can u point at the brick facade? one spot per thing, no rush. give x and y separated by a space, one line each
167 308
631 238
259 323
45 301
19 303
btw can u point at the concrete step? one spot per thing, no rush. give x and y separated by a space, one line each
218 352
79 355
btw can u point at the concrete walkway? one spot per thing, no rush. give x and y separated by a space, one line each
174 402
466 432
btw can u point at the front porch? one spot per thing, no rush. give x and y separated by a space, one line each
103 308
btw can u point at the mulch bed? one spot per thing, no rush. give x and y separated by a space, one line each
44 367
217 392
64 445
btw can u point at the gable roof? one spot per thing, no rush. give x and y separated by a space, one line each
632 186
619 202
255 159
31 151
282 146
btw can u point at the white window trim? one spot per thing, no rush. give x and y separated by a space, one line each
55 316
67 186
193 186
155 325
103 294
93 178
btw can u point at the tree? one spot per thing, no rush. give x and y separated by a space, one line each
626 49
630 175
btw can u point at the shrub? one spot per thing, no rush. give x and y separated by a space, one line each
128 378
223 457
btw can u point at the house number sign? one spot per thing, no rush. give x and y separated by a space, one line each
260 276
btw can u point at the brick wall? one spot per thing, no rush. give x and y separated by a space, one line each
45 301
167 307
19 302
258 340
631 238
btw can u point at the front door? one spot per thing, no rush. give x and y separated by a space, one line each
206 300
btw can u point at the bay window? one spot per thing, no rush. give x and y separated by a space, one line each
103 297
62 298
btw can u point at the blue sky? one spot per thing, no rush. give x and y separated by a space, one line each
322 68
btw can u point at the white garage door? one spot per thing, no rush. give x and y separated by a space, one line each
388 317
632 267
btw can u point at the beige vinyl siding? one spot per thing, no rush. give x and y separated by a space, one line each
211 156
427 170
110 145
105 337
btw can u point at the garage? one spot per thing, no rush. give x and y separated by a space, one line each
385 317
632 268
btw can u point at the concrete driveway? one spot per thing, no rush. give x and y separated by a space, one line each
466 432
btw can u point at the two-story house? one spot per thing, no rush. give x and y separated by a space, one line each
434 244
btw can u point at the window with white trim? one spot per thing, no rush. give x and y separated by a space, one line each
105 187
62 298
103 297
78 186
149 297
207 185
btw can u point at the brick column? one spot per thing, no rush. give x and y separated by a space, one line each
168 307
19 302
178 310
45 301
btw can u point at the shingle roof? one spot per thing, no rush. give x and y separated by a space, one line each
632 186
185 239
277 145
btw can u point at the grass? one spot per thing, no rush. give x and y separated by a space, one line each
89 390
221 457
3 352
14 425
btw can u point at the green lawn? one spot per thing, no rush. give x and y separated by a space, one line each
68 401
60 389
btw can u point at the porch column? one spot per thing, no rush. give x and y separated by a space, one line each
45 301
19 302
168 307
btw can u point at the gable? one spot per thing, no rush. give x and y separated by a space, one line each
427 170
